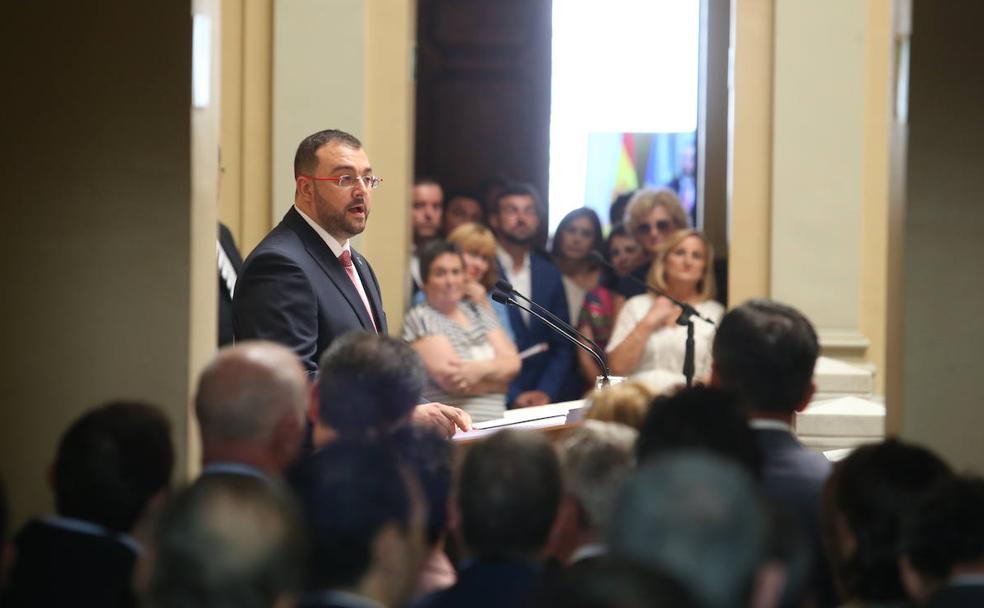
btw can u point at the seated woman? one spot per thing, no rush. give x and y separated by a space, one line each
577 236
601 304
651 216
469 359
646 337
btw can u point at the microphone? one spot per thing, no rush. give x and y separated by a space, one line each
688 310
502 298
506 287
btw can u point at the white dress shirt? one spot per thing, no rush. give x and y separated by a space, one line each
521 279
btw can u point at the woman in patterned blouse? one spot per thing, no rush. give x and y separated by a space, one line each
468 357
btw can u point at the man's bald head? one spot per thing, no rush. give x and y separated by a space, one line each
247 394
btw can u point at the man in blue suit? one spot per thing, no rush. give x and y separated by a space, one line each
548 373
765 352
305 285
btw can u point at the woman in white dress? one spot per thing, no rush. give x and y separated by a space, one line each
646 337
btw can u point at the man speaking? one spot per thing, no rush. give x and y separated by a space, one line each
304 285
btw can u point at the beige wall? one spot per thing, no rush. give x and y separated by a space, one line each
247 43
810 110
750 150
943 326
109 237
365 89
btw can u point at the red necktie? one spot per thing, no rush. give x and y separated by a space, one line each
346 260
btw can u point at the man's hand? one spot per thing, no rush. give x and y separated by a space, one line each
531 398
443 417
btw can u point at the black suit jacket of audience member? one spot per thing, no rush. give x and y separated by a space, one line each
553 371
969 595
228 245
293 290
57 567
488 583
793 478
628 288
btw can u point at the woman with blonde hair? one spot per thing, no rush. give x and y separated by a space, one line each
651 216
646 335
626 403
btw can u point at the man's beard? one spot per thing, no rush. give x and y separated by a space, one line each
514 239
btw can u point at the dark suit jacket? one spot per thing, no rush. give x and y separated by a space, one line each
294 291
958 596
487 584
57 567
228 244
793 478
552 371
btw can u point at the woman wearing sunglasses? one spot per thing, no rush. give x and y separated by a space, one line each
652 215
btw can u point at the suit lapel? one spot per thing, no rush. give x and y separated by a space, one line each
371 287
322 254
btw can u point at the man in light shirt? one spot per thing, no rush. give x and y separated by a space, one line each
548 373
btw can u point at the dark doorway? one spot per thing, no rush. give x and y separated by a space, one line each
483 91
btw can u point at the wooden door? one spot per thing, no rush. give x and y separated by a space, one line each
483 91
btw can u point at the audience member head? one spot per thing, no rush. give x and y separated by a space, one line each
699 418
765 352
443 276
368 384
515 216
625 403
622 251
616 213
610 583
111 463
227 540
594 459
462 207
578 234
654 214
477 245
508 493
698 518
250 404
426 207
944 537
366 521
866 498
685 261
428 456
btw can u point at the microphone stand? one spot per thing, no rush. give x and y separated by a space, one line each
685 318
503 298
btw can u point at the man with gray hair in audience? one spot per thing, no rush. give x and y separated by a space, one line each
699 518
595 458
250 404
228 540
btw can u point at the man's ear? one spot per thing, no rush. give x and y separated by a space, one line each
304 187
807 396
493 220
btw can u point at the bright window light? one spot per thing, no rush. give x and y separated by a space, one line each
621 66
